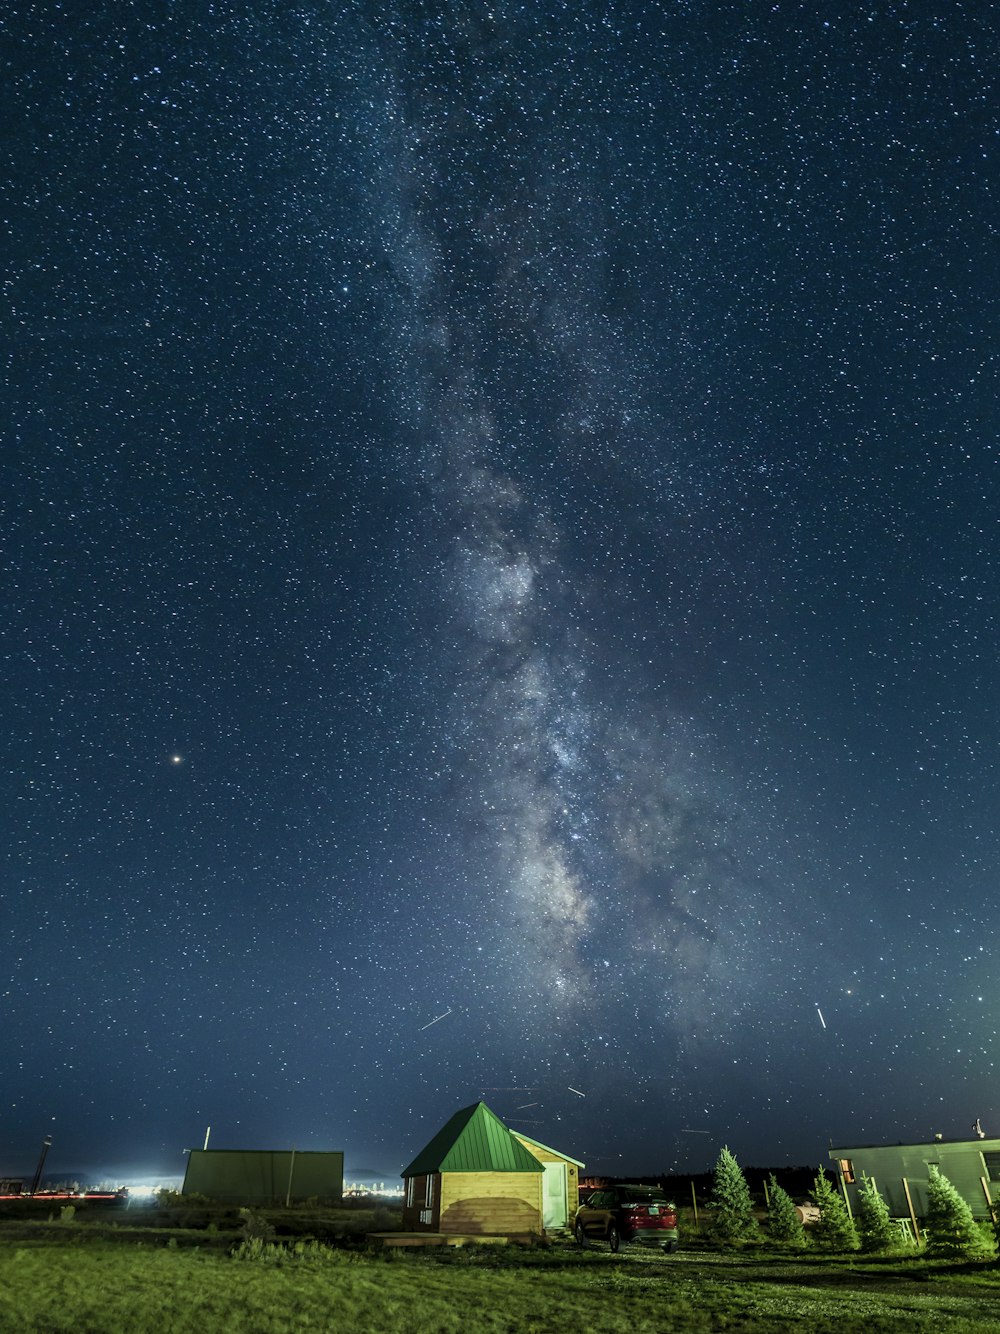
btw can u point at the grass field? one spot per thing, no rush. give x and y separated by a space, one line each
76 1278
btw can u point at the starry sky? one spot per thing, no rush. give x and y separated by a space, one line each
500 576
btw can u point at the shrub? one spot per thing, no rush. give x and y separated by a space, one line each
732 1209
67 1213
951 1230
256 1249
255 1227
261 1251
783 1222
834 1230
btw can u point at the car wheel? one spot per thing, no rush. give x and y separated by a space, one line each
614 1237
670 1247
581 1236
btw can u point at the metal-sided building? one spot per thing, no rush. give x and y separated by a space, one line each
972 1167
474 1178
264 1176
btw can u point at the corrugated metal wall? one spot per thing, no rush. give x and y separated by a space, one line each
960 1161
259 1176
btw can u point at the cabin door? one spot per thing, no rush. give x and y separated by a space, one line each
554 1195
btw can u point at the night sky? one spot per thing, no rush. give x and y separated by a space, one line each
500 577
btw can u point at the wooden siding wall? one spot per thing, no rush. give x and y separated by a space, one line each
491 1202
414 1219
572 1174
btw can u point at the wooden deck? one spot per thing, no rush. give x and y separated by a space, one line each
450 1238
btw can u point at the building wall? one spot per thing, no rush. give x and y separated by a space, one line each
963 1162
491 1202
474 1202
572 1172
422 1203
262 1176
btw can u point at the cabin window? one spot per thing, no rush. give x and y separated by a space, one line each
409 1190
991 1161
429 1192
847 1171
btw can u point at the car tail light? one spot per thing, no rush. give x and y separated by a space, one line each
651 1213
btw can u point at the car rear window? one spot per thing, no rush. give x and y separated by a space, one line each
642 1195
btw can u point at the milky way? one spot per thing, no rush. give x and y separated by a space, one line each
594 832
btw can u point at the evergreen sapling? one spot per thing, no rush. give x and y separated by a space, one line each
876 1230
951 1230
834 1229
732 1210
783 1222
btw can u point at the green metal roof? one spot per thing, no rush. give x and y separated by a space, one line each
474 1140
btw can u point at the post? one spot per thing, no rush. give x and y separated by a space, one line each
694 1205
208 1131
909 1205
847 1202
291 1169
767 1196
46 1145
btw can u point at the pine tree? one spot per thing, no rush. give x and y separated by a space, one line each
876 1230
783 1222
951 1229
834 1229
732 1210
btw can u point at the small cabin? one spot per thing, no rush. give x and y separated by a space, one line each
474 1178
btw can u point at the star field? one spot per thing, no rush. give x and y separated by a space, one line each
501 517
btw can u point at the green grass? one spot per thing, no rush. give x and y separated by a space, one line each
96 1286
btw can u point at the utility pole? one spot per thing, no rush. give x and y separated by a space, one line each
291 1169
46 1145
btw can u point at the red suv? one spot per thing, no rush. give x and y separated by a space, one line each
628 1213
